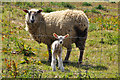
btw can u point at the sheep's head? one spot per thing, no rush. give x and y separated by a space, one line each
60 38
32 14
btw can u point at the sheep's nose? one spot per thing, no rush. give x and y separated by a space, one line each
32 21
60 42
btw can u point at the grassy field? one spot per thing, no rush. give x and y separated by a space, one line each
24 58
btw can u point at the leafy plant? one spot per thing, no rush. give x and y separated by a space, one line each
25 4
113 2
48 9
87 10
86 4
95 11
11 66
110 38
64 4
93 26
100 7
67 5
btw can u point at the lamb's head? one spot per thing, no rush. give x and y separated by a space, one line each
32 15
60 38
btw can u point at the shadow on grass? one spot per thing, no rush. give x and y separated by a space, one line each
83 66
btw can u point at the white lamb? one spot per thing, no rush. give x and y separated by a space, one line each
57 51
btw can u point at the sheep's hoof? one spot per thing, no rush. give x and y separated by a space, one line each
66 61
79 62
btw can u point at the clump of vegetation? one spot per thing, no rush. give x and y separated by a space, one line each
64 4
113 2
25 4
93 27
11 66
67 5
87 10
86 4
100 7
48 9
111 39
95 11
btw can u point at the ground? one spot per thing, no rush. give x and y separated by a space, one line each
24 58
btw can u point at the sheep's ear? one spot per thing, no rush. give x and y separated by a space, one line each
67 35
39 11
26 11
55 35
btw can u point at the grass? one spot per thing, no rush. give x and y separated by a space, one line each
24 57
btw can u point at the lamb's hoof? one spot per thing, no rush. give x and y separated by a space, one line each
53 70
58 68
66 61
49 61
63 70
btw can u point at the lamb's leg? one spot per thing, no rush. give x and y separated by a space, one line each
49 50
60 63
68 54
53 63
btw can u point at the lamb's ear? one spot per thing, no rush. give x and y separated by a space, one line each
67 35
26 11
55 35
39 11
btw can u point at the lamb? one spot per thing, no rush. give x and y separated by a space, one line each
57 51
42 25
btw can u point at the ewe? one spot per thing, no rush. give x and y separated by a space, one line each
42 25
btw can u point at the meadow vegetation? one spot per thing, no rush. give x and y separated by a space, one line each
24 58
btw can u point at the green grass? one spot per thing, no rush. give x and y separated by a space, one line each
100 56
94 60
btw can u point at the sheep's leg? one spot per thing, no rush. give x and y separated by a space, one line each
50 55
80 41
53 63
81 54
68 54
60 63
81 48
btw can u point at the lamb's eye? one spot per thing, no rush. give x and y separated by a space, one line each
60 37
